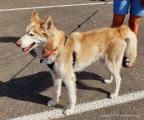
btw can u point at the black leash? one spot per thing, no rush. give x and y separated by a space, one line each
23 68
89 17
79 25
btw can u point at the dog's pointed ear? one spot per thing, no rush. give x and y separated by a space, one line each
48 23
35 15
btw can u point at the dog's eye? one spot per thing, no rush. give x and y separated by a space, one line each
31 34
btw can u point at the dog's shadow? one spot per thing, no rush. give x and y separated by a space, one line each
8 39
27 88
91 76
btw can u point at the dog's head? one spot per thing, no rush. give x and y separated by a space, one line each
55 40
35 34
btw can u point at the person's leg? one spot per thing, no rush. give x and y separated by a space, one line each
117 20
120 9
136 11
134 22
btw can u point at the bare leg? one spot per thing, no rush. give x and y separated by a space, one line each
117 20
134 22
118 82
114 68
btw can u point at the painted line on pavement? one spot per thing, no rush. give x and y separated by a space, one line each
85 107
53 6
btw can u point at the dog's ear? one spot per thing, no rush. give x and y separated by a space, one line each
34 16
48 23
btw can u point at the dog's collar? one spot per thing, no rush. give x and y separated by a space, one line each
50 53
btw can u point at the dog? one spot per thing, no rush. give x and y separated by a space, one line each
65 56
81 49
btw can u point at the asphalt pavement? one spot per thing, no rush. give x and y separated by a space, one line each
30 90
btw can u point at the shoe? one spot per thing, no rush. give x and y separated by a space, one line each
126 63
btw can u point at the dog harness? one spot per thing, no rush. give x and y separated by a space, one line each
51 66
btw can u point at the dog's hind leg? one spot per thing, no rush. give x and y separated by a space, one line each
118 82
56 91
114 63
115 71
71 87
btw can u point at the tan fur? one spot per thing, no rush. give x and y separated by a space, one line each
106 44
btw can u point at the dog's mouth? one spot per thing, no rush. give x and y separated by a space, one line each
29 48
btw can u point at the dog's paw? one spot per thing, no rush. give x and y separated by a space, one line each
113 95
51 103
107 81
68 111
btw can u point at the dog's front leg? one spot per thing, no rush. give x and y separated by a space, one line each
108 81
71 87
56 91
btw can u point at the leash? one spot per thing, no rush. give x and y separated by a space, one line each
67 36
23 68
89 17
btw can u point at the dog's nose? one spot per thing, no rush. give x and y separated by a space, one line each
18 43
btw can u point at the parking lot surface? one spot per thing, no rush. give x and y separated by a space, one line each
30 90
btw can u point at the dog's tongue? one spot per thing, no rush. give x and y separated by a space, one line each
26 48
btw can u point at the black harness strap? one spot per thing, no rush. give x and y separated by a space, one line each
51 66
74 58
66 37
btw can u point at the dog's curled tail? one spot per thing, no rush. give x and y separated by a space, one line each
131 40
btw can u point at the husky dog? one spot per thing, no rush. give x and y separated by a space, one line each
67 56
81 49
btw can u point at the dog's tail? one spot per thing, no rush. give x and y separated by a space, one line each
131 40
